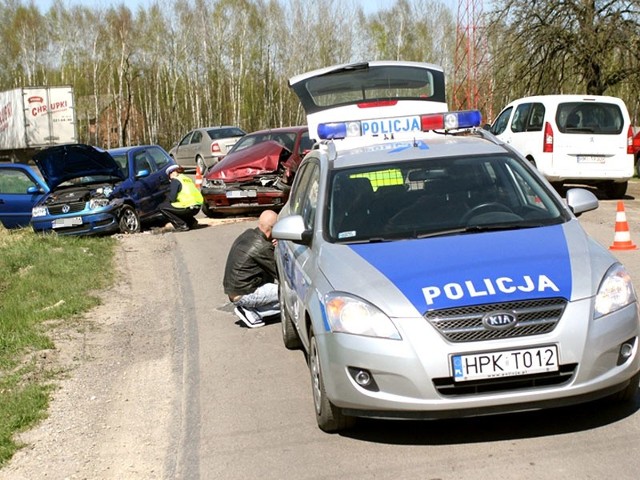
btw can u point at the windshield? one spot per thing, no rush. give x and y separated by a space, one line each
286 139
121 160
432 197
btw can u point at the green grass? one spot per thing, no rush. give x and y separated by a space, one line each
42 278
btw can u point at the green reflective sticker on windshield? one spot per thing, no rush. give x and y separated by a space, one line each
382 178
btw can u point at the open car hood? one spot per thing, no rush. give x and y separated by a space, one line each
65 162
249 162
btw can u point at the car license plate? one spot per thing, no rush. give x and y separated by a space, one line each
505 363
242 193
388 126
66 222
591 159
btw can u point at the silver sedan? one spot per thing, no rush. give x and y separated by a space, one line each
444 277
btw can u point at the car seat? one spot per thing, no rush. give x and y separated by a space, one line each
351 202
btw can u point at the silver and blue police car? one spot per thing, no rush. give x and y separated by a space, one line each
439 275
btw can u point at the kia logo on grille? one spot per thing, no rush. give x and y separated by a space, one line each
499 320
66 208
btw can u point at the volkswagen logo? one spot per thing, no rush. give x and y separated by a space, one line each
66 208
499 320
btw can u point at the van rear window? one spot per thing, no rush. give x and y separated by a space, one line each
589 118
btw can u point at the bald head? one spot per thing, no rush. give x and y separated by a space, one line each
266 222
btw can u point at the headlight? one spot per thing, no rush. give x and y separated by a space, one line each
39 211
352 315
98 203
616 291
215 183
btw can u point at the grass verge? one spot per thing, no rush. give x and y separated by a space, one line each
42 278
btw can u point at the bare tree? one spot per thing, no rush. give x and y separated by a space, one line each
546 46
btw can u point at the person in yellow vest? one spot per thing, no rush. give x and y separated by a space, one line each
183 201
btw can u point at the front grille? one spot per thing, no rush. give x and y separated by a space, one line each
449 387
464 324
73 208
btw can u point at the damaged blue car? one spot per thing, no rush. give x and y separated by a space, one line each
89 191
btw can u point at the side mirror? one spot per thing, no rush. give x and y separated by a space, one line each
580 200
142 173
293 229
33 190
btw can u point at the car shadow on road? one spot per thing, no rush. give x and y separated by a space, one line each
540 423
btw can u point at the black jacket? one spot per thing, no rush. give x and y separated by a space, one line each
250 263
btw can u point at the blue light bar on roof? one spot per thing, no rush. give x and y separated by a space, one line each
451 120
339 130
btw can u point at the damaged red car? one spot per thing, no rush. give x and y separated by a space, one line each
257 172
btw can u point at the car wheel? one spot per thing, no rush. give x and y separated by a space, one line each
200 163
532 161
616 190
558 187
329 417
289 333
628 394
210 213
129 221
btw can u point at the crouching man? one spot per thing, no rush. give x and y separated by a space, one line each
183 202
250 273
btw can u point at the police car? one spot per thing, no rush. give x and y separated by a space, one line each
440 275
372 100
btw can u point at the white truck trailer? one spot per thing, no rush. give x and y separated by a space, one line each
32 118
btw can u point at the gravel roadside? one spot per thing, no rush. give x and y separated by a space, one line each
114 414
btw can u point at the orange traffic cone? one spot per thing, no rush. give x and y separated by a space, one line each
622 238
198 177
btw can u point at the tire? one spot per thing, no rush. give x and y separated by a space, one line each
558 186
616 190
628 394
290 335
200 163
129 222
329 417
532 161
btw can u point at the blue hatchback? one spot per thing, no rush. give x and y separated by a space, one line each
20 189
88 191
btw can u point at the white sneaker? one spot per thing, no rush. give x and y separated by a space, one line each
250 318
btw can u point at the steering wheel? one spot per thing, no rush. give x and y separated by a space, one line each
485 208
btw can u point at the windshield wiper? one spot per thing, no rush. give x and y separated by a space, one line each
479 228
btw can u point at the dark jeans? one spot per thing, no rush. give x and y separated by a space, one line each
180 218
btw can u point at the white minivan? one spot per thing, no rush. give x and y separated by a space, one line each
572 138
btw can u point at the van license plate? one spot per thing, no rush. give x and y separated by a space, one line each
591 159
505 363
66 222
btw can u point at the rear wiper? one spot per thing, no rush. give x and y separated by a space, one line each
581 129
